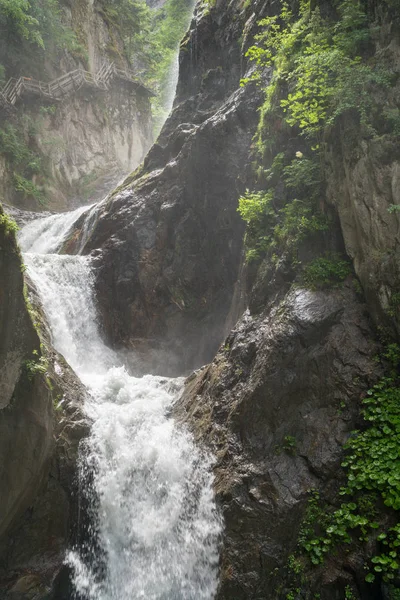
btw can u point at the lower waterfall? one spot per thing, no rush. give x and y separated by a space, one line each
154 524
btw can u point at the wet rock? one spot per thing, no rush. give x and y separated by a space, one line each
276 406
26 425
41 425
168 244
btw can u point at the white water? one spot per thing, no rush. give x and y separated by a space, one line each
155 527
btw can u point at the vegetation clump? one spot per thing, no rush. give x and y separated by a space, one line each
8 225
36 365
373 479
326 271
323 68
28 29
23 161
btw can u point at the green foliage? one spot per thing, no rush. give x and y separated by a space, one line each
132 18
303 175
321 70
28 189
257 211
253 206
373 457
325 272
23 161
27 29
319 66
289 444
348 593
373 476
8 225
35 365
298 221
394 305
270 227
16 17
13 146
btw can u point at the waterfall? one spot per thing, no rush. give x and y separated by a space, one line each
155 527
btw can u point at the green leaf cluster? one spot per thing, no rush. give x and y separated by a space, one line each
36 365
373 476
326 272
318 67
8 225
280 221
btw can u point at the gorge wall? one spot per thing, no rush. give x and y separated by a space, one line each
285 390
61 153
161 290
41 424
288 375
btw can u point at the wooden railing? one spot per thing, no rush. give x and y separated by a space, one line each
68 84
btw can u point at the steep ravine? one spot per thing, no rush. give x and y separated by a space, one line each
279 401
279 397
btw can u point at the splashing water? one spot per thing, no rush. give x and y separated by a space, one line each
155 527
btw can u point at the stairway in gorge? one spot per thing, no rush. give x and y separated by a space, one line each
69 83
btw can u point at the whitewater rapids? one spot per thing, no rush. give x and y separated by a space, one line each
154 523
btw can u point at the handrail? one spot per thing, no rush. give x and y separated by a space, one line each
68 83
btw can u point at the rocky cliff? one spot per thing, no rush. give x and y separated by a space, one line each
278 401
41 424
161 290
82 143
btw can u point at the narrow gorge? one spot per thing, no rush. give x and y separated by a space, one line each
199 300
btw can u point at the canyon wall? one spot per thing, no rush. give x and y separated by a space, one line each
86 141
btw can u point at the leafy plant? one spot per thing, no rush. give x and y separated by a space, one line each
35 365
318 63
323 272
22 160
29 27
8 225
289 444
373 475
28 189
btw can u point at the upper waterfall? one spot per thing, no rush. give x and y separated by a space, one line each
154 522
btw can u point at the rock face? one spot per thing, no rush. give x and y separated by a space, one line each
90 139
26 423
38 444
160 288
278 401
94 138
276 406
364 188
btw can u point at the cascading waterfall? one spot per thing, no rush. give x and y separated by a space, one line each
155 525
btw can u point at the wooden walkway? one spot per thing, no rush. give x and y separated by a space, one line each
67 84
